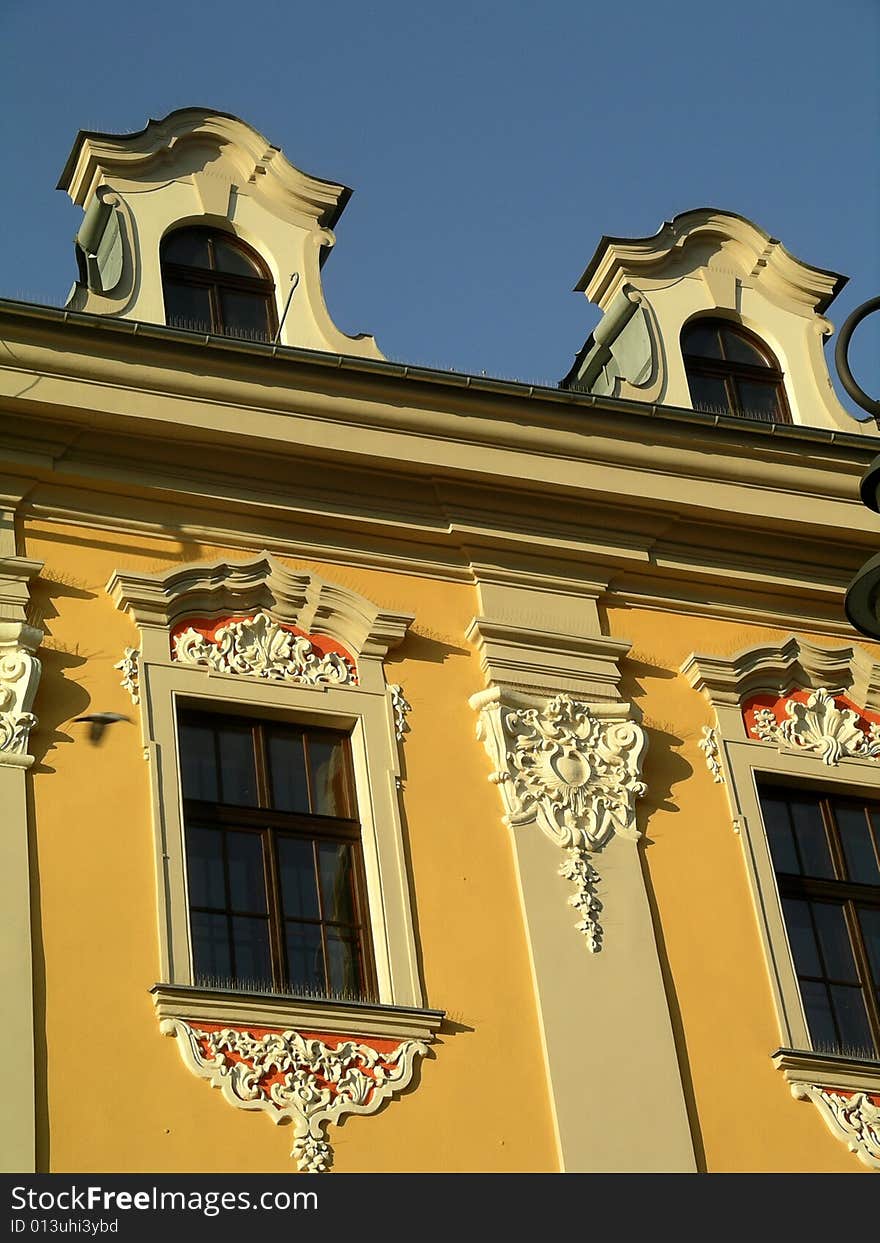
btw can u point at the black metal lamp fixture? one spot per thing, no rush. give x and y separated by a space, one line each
862 602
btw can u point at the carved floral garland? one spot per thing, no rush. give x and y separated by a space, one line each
259 647
130 671
819 726
297 1077
574 773
709 746
851 1116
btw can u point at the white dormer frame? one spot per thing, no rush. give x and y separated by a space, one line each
711 263
197 166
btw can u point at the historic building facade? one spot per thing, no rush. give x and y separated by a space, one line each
470 775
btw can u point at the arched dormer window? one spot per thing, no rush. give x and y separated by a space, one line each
730 371
212 282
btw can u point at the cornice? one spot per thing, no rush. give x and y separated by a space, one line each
784 276
175 1001
479 393
777 668
96 155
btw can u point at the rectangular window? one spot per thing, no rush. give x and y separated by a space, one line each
826 855
273 855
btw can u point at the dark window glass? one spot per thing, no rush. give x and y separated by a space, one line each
777 822
730 371
273 858
187 306
299 887
235 763
859 845
213 282
809 831
287 764
823 853
327 763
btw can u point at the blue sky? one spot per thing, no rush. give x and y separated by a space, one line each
489 145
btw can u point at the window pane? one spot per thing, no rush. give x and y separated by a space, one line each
204 865
834 942
861 861
238 782
230 258
250 939
198 763
779 833
245 314
329 784
334 864
738 350
849 1009
344 967
187 246
247 883
187 306
702 340
810 833
210 945
299 890
757 401
287 767
708 393
869 918
799 926
305 958
817 1008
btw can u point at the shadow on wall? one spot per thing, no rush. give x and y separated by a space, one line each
59 698
664 768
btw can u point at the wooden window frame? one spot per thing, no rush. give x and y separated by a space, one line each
216 281
839 891
731 372
270 824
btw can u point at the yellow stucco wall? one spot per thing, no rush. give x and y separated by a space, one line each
714 964
117 1096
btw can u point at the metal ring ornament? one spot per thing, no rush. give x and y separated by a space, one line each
858 394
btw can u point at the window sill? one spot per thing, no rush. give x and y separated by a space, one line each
308 1014
831 1070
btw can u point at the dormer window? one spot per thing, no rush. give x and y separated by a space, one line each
212 282
730 371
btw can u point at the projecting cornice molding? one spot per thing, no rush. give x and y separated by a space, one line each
761 258
527 658
776 669
96 156
261 585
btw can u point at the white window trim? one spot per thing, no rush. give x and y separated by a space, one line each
739 761
367 709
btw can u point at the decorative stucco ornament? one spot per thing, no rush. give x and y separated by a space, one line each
401 708
297 1078
709 746
819 725
128 667
19 677
574 769
259 647
851 1116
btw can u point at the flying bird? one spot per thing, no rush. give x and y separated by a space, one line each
98 722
